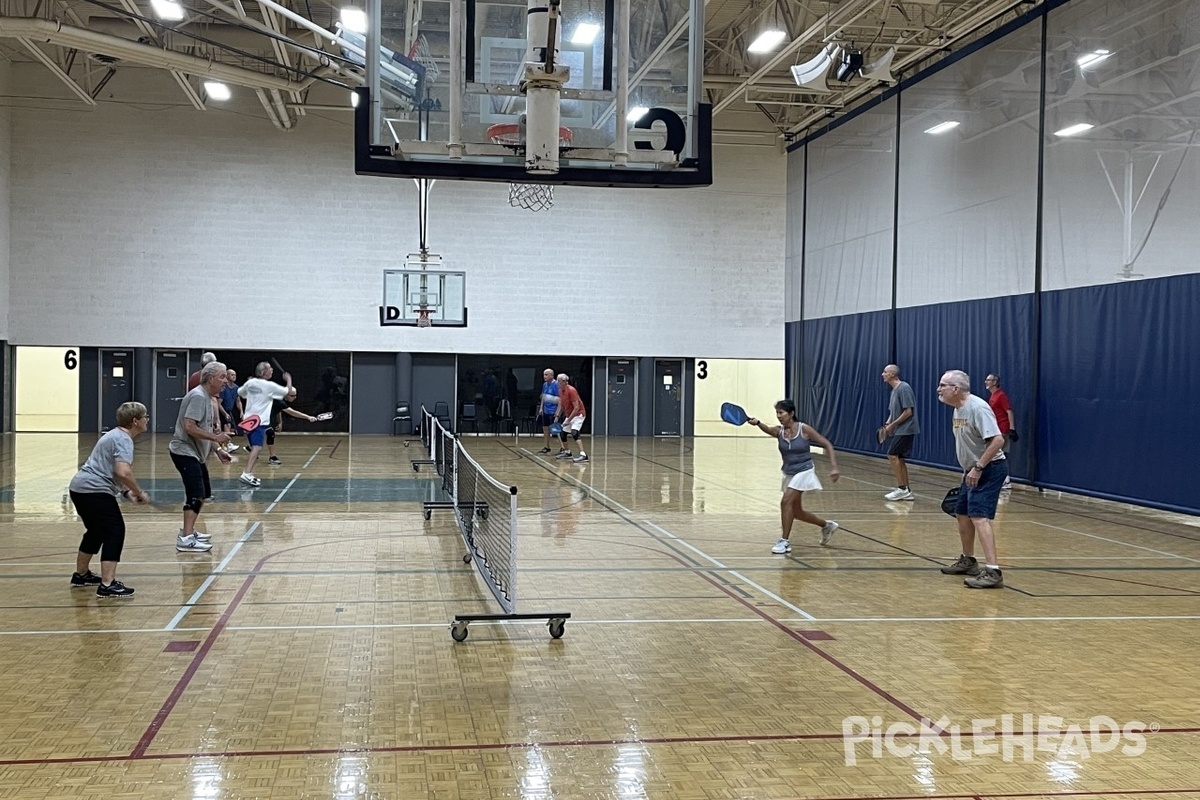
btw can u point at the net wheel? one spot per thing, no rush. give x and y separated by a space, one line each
428 515
416 468
406 444
458 632
557 628
467 558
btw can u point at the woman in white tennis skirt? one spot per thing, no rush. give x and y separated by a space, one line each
799 476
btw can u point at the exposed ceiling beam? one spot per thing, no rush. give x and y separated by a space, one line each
51 65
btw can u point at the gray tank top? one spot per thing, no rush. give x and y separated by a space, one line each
796 456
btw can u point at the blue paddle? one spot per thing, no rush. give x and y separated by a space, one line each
734 415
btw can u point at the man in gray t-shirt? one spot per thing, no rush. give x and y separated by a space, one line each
901 426
978 447
196 431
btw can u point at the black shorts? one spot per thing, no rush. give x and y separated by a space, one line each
545 420
901 446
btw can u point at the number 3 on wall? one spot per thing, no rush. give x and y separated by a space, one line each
701 370
71 359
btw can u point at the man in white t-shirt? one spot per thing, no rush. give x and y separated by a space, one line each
257 394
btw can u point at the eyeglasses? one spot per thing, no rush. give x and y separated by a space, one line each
947 386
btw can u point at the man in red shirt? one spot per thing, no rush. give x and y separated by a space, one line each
998 400
572 413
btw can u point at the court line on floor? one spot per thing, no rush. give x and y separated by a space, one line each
212 577
622 621
816 736
1114 541
682 542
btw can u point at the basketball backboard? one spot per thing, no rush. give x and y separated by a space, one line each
424 294
461 89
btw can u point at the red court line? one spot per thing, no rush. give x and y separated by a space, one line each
527 745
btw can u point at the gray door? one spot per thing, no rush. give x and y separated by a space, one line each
622 397
170 385
116 384
668 398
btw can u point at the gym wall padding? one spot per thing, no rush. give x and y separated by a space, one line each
843 358
978 337
1120 391
1017 251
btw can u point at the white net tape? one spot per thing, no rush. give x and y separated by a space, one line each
531 196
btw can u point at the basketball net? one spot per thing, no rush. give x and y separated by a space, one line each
424 320
529 196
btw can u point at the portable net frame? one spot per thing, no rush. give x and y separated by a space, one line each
485 511
529 196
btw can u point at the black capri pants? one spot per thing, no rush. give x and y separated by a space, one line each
194 472
103 525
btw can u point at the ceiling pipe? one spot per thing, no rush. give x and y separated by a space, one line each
266 104
281 110
54 32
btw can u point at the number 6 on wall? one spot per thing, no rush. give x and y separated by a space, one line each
71 359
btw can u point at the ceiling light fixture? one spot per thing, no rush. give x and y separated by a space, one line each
1075 130
217 90
1092 58
585 33
942 127
168 10
767 41
354 19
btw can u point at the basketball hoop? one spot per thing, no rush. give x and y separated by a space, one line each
424 320
530 196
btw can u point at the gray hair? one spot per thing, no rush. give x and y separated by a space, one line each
210 369
207 358
959 378
128 413
261 369
562 376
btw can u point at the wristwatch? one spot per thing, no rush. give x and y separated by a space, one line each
978 466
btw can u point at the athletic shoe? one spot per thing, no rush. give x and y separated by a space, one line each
581 458
899 494
781 547
249 479
191 545
200 535
544 450
963 565
563 454
232 447
988 579
88 578
114 589
1006 486
827 531
274 461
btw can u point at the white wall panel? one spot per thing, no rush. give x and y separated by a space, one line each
161 225
850 209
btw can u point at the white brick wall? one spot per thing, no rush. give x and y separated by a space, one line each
147 225
5 203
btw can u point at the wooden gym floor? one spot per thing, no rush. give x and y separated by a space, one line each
309 655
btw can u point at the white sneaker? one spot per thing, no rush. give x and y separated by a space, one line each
1006 486
899 494
827 531
191 545
201 536
250 479
781 547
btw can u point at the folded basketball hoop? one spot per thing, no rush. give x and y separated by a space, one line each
530 196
